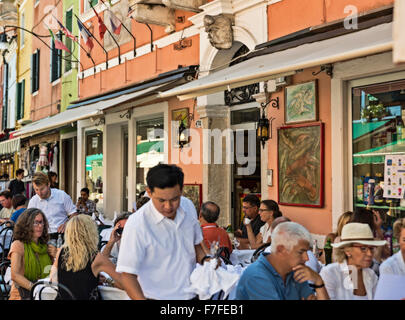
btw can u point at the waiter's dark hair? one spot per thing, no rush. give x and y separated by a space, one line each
165 176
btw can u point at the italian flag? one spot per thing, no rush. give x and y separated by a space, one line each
58 44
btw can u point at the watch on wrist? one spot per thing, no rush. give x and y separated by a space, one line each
312 285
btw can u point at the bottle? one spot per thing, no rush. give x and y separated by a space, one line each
328 251
371 186
59 243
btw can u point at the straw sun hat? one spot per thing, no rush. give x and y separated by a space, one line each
358 233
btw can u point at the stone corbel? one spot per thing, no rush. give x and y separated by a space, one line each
186 5
154 14
219 29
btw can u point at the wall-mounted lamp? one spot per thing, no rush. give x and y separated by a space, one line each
264 124
3 41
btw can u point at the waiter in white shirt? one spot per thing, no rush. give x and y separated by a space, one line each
56 204
160 244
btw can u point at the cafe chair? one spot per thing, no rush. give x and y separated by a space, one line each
5 284
6 238
57 287
258 251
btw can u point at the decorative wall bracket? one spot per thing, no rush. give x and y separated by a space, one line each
328 68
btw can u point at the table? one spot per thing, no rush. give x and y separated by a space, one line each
241 257
111 293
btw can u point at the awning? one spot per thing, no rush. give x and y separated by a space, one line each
377 155
271 66
91 110
362 128
10 146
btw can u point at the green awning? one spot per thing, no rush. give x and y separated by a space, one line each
377 155
362 128
149 146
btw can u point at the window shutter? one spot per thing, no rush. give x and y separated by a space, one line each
18 102
37 68
33 75
22 99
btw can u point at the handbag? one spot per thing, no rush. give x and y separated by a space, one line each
24 293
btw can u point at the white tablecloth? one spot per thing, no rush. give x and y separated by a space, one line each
241 257
111 293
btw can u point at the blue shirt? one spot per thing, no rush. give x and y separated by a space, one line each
16 214
260 281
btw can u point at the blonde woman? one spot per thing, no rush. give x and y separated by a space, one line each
343 219
79 263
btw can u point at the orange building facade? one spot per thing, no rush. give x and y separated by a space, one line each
130 103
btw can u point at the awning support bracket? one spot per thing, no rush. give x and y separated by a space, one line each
328 68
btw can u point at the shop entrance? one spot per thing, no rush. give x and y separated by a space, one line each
69 147
246 169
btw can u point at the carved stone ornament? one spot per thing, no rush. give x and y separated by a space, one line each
155 14
219 29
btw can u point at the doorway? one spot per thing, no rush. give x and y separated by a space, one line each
246 154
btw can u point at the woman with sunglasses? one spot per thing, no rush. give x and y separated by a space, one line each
351 278
268 211
29 255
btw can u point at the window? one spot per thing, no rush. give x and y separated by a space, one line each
69 43
20 99
35 71
22 33
94 165
149 149
56 60
378 139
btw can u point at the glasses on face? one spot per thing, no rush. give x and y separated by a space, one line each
38 223
364 249
263 210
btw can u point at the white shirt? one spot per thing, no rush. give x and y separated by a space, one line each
339 285
265 230
393 265
185 203
56 208
160 251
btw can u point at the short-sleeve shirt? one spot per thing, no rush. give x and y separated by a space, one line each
160 251
56 208
260 281
91 207
393 265
6 213
211 233
256 224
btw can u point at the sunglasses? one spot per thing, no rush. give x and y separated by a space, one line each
364 249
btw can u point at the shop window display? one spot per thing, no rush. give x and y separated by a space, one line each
378 139
149 149
94 166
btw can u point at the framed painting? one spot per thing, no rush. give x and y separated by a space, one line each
194 193
181 115
301 165
301 103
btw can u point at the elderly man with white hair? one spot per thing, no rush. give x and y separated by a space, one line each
282 274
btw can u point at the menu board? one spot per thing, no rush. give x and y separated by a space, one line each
394 176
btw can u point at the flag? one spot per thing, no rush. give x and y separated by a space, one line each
66 31
115 22
85 35
101 26
58 44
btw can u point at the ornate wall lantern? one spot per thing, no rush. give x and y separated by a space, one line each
264 124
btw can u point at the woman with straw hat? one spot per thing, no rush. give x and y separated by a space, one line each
351 278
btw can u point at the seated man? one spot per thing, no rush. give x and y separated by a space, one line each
209 214
6 201
111 249
84 204
282 274
250 208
